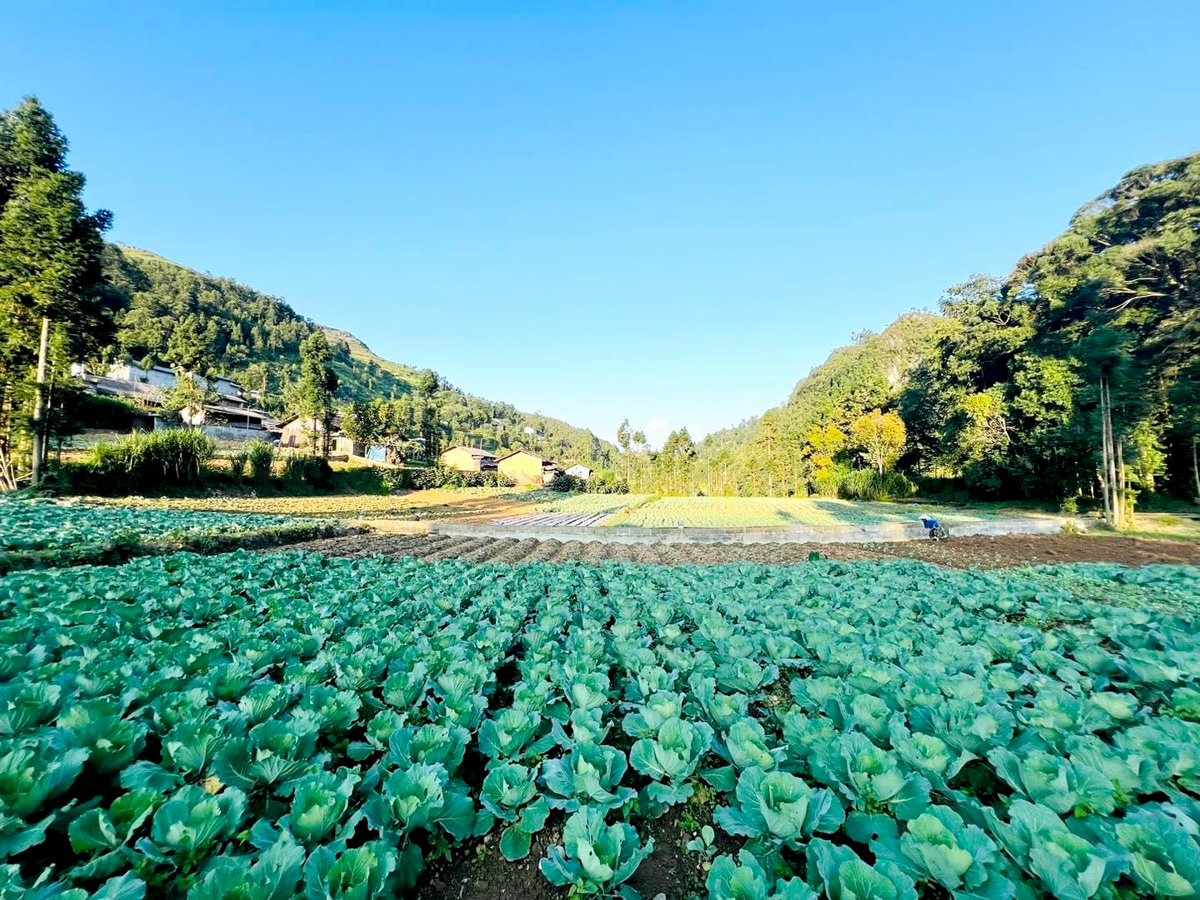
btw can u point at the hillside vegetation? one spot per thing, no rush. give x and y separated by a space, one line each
1076 377
169 314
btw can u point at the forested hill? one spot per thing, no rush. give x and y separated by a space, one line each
1078 375
867 374
172 315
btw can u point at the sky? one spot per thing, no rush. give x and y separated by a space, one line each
663 211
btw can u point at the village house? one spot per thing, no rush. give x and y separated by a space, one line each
468 459
580 471
229 418
296 433
524 467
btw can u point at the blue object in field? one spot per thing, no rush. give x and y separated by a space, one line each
929 524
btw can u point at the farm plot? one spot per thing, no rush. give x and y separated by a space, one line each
251 726
47 524
52 532
429 504
746 512
576 509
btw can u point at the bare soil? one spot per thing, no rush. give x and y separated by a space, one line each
477 871
1005 551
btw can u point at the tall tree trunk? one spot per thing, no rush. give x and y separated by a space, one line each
1196 464
1114 488
39 404
1114 466
1122 483
1104 454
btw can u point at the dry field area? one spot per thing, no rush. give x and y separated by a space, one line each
473 504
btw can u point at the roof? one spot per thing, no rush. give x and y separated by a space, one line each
136 390
545 462
284 422
476 452
240 412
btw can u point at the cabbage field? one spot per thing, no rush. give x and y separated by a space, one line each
271 726
30 524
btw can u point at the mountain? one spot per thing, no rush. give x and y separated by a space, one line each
168 313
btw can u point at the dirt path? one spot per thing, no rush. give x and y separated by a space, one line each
961 553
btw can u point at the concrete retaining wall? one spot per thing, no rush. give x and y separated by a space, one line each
817 534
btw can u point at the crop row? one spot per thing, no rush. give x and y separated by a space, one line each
742 512
261 726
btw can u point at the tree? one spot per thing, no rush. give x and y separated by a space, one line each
623 438
51 303
189 348
676 457
639 442
317 389
361 422
188 397
881 437
427 383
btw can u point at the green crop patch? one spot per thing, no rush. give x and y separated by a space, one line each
30 524
287 725
757 512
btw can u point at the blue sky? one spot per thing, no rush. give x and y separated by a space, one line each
666 211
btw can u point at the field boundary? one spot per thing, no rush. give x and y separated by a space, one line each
882 532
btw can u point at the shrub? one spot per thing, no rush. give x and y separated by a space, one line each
1070 506
605 483
867 484
174 457
567 483
311 470
437 476
827 480
91 411
985 478
260 455
238 463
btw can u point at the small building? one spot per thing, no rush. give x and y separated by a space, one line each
580 471
524 467
164 378
296 433
223 415
468 459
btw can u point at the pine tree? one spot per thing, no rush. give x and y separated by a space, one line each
52 306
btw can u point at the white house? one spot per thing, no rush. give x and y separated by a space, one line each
579 471
230 418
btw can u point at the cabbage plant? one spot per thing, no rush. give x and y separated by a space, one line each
838 873
778 809
745 879
510 794
595 858
937 846
590 775
670 759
